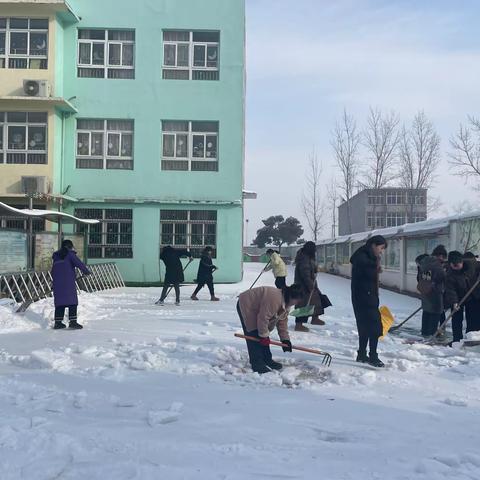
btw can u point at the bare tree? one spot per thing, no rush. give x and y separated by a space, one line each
380 139
312 203
465 157
345 142
419 154
333 199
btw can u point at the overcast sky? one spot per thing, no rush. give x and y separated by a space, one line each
308 60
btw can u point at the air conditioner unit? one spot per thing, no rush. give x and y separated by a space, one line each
31 185
36 88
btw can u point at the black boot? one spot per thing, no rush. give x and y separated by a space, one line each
74 325
58 325
374 361
274 365
362 357
261 369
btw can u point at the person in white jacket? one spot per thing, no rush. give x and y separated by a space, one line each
278 268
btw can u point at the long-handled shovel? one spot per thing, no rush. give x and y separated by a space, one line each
442 327
327 358
261 273
396 327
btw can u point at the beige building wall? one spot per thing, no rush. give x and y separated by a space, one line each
11 84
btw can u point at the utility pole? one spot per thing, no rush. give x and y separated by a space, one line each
246 232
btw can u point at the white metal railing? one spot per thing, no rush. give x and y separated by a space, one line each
24 288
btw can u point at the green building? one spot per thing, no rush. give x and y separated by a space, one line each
131 113
147 129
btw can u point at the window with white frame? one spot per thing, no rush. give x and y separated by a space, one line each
191 55
394 219
189 145
105 144
190 229
370 220
379 220
106 53
395 198
419 217
376 199
23 137
24 43
376 220
419 199
112 237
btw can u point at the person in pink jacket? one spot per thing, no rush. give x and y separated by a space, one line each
261 310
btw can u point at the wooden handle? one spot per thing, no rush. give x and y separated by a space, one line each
279 344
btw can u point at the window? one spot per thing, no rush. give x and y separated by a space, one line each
375 221
191 229
369 219
343 253
20 222
395 198
376 199
24 43
321 254
23 137
419 217
105 144
190 146
395 219
106 53
190 55
112 237
392 254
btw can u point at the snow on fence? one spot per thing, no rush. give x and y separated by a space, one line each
27 287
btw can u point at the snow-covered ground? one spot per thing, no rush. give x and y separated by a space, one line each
148 392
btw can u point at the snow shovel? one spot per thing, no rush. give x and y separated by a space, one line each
307 310
396 327
327 358
387 319
261 273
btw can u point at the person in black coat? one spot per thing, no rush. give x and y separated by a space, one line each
365 271
459 279
205 274
431 285
472 306
306 270
174 271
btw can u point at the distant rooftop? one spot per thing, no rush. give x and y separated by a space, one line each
408 229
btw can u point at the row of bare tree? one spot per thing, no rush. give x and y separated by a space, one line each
384 154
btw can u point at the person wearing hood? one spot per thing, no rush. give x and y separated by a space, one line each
459 279
260 310
205 274
65 296
174 271
366 268
431 285
306 270
278 268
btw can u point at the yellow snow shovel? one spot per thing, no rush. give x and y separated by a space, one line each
387 319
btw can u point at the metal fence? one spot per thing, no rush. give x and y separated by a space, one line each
27 287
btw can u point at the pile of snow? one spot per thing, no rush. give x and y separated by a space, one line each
154 392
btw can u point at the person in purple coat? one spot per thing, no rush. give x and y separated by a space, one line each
64 289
